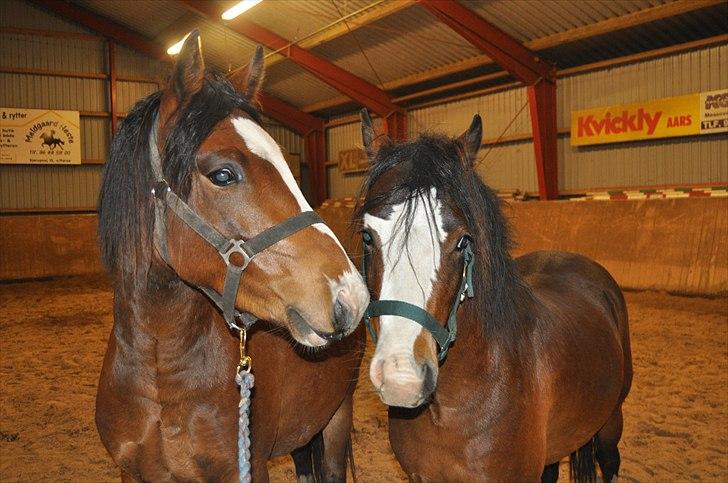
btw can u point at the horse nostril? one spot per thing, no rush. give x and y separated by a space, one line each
429 381
342 312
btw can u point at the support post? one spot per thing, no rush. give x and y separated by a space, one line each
395 125
112 84
523 64
542 104
314 146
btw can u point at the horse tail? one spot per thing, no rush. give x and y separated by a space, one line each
583 463
309 461
350 459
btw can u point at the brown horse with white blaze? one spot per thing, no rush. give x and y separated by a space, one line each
523 361
167 403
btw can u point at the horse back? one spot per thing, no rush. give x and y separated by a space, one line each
582 333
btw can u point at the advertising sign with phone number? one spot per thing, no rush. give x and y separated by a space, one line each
39 136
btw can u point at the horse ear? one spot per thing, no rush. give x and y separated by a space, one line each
248 83
472 138
371 141
188 75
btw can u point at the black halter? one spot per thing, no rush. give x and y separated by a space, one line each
445 334
235 252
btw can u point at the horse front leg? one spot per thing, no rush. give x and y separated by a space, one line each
337 442
259 470
325 456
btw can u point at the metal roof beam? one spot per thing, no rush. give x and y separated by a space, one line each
356 88
525 66
104 26
510 54
292 117
299 121
337 29
613 24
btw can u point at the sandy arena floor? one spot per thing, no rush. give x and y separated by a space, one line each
53 335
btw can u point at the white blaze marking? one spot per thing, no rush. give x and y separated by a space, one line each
263 145
409 268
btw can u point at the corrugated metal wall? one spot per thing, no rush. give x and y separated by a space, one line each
25 187
511 165
341 138
506 166
688 160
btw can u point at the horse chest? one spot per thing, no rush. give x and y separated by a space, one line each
457 444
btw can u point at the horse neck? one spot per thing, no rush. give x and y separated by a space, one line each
162 322
481 358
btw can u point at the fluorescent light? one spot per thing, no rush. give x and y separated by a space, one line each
239 8
174 49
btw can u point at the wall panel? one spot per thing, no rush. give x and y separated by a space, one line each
341 138
45 92
497 111
63 187
686 160
511 165
129 93
49 187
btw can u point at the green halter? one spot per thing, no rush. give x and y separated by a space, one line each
444 336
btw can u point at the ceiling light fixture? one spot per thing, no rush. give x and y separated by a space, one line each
175 48
239 8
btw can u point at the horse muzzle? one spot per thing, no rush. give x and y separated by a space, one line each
349 299
402 382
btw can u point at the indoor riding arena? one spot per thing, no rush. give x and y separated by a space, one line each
604 133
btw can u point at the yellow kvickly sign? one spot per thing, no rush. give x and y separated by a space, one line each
701 113
39 136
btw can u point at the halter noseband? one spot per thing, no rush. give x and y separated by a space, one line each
235 252
444 336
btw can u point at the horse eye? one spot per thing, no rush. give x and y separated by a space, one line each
223 177
464 241
366 237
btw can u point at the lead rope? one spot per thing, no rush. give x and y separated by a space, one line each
245 380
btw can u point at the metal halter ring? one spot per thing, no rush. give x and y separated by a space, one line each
160 189
236 246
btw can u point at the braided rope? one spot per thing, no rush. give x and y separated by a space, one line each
245 380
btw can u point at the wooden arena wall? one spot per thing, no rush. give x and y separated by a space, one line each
678 245
40 246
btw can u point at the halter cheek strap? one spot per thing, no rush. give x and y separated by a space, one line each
235 252
444 336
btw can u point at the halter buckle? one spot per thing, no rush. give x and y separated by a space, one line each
160 189
236 255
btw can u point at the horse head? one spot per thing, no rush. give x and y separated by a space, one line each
218 159
416 238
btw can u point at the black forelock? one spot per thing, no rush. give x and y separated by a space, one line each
216 100
125 201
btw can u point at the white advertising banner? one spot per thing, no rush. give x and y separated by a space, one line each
39 136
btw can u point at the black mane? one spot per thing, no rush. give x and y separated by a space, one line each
437 161
125 202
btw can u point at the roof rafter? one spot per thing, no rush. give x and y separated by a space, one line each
524 65
340 28
510 54
104 26
356 88
613 24
282 112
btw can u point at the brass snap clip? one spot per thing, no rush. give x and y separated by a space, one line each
246 362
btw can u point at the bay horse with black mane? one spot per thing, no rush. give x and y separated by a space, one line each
198 210
522 362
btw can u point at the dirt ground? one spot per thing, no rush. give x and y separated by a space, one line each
53 336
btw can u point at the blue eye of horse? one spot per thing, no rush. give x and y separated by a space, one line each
223 177
366 237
